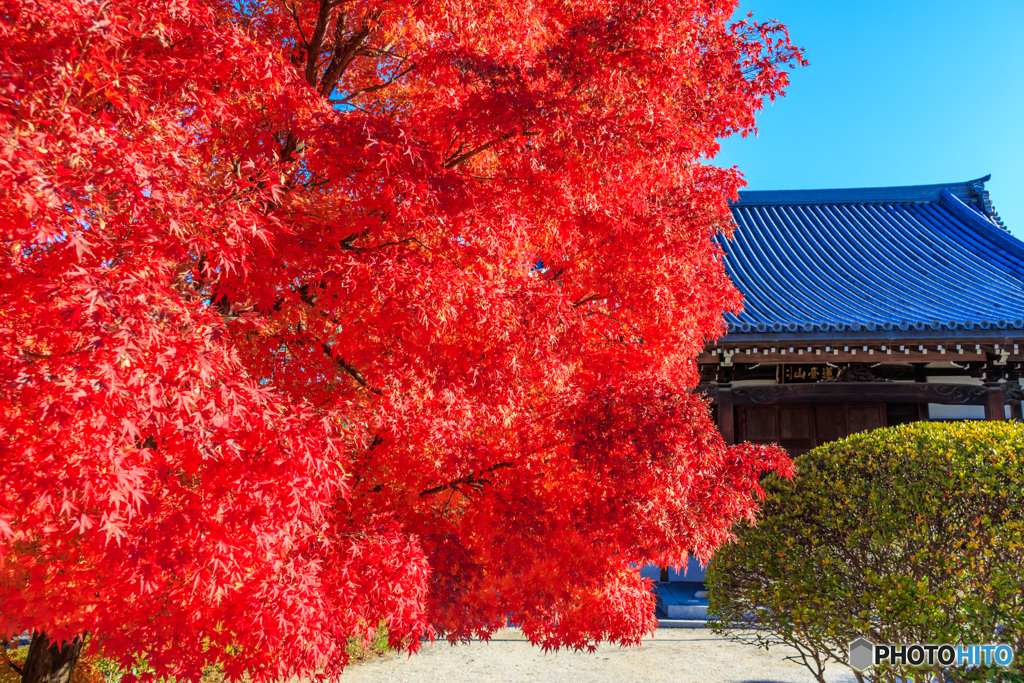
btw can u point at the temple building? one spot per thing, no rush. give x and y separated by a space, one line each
867 308
863 308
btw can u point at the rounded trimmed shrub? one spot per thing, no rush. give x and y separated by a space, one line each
910 534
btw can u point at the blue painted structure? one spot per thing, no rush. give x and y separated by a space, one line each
918 262
693 571
679 600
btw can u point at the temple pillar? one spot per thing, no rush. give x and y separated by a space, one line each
994 403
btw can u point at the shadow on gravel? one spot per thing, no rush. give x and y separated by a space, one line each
656 639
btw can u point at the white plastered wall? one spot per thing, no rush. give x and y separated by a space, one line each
937 411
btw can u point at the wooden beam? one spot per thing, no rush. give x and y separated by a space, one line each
853 352
863 392
897 356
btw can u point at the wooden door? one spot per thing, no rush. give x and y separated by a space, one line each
796 427
802 426
759 424
790 426
830 421
864 417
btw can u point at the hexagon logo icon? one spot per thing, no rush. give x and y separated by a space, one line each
862 654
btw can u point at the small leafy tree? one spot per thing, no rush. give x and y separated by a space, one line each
912 534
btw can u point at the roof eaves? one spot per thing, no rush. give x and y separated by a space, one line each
881 330
863 336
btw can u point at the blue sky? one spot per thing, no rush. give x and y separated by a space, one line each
903 92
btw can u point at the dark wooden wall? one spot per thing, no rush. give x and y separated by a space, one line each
800 427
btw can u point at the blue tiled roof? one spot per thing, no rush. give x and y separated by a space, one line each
928 260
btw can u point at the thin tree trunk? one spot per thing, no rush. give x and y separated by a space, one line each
50 662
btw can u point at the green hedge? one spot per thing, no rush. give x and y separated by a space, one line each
912 534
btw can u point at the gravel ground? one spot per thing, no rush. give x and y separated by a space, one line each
676 655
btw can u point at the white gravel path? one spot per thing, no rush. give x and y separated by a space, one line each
672 655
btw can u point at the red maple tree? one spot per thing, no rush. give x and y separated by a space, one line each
321 313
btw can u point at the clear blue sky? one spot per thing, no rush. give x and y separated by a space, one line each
900 92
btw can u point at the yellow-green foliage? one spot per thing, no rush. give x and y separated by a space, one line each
912 534
85 671
374 644
91 668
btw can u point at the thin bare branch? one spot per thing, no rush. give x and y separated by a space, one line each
374 88
348 368
580 302
298 25
454 161
347 242
405 241
471 480
381 52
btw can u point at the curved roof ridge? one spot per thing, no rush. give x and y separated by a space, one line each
972 191
923 260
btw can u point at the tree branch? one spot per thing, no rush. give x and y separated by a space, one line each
405 241
348 368
347 242
374 88
316 43
344 52
298 25
48 356
615 320
580 302
290 145
471 480
368 51
454 161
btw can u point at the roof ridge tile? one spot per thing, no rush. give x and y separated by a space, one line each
969 191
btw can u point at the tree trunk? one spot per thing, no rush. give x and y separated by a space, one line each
50 662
